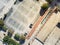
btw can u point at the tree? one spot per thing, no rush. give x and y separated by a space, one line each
10 32
4 28
45 6
10 44
22 39
9 41
49 1
17 37
5 39
1 23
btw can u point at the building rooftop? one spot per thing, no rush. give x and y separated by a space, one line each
26 13
54 37
4 8
36 42
47 29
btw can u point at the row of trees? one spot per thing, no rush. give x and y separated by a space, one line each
10 32
9 41
17 36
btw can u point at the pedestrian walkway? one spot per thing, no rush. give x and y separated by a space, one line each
37 23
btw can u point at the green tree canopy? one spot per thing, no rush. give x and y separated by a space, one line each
1 23
17 37
9 41
49 1
45 6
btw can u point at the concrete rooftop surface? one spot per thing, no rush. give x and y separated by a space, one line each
23 18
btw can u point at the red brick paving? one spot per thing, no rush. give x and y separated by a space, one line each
36 24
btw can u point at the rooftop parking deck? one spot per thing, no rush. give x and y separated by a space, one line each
25 14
